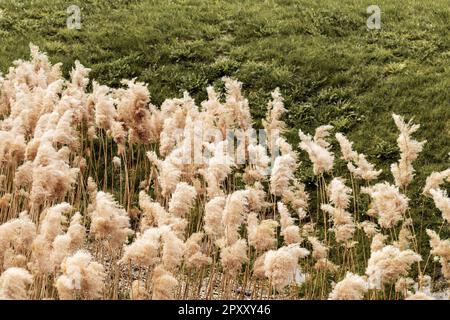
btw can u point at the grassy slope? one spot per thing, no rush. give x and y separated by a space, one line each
330 68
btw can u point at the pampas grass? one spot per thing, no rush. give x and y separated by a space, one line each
81 277
388 204
387 264
280 265
352 287
109 221
104 195
14 283
403 171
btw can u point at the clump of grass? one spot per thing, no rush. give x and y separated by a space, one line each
106 196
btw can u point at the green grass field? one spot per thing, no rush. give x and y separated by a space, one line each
328 65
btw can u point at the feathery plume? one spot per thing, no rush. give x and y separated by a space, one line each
213 217
219 166
282 174
173 249
320 156
132 109
273 123
388 204
261 235
404 236
232 257
256 198
258 267
182 199
109 221
193 255
320 251
403 171
442 202
339 193
164 284
388 264
150 211
440 248
320 134
169 173
325 265
343 224
363 168
233 214
378 242
81 277
117 163
52 177
369 228
348 154
16 235
67 244
235 105
258 164
298 198
434 181
144 251
280 265
352 287
289 231
50 227
14 283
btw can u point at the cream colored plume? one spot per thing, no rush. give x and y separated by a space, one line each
14 283
403 171
388 204
280 265
388 264
81 277
319 155
352 287
109 221
164 284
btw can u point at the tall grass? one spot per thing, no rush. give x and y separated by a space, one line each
106 196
